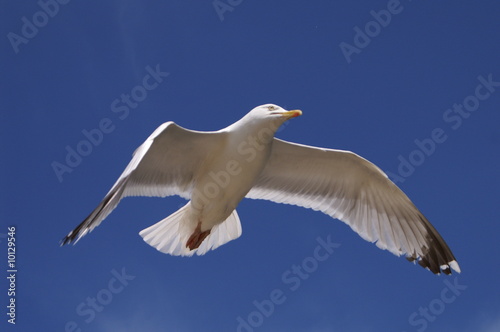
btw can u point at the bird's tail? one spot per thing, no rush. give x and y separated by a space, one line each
171 234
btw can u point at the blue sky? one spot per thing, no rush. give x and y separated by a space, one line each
416 76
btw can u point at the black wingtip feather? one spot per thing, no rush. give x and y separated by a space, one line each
437 257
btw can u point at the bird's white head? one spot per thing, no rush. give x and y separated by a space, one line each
274 112
268 117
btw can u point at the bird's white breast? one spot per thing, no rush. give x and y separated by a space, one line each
226 177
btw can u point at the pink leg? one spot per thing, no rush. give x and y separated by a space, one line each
197 237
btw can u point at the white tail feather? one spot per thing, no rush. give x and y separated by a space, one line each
171 234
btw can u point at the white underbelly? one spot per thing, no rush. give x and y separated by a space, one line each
223 185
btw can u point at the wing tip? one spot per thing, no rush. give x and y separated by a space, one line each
454 265
70 238
446 268
73 237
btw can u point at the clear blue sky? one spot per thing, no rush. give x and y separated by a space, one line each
421 74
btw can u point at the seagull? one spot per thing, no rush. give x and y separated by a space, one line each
215 170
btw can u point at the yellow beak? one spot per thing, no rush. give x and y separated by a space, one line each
292 114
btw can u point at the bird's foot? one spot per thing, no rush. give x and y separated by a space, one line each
197 237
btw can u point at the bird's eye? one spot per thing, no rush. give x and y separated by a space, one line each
271 108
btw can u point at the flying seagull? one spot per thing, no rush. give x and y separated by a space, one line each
215 170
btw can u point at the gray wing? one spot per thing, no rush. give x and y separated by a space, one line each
355 191
165 164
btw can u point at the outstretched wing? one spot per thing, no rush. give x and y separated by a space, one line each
355 191
165 164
